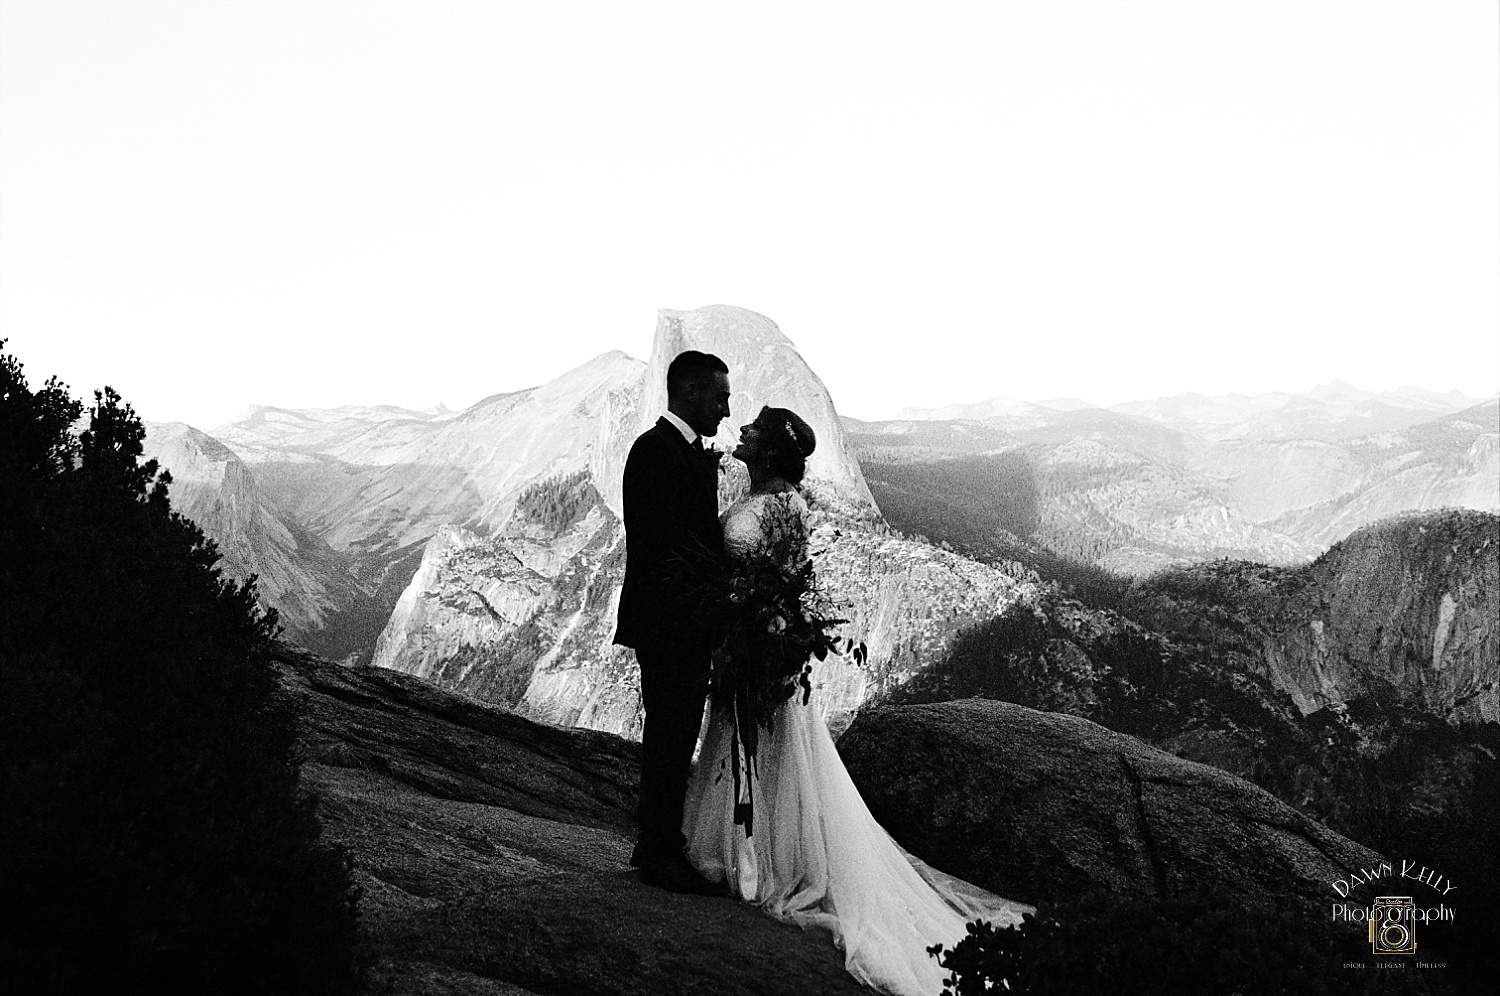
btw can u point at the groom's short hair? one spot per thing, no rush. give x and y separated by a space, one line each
692 367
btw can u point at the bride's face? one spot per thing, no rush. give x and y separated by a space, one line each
752 447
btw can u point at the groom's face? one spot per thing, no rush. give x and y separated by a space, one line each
708 401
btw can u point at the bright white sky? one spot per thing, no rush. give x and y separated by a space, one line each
207 205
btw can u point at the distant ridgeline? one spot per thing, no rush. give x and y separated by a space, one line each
1136 488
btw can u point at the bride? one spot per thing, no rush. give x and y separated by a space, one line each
783 825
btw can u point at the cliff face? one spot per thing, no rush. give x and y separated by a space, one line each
320 602
1405 610
904 600
525 616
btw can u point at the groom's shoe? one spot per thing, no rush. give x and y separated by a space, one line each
673 872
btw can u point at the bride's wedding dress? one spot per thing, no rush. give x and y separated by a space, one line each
817 857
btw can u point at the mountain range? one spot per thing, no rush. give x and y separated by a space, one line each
483 549
1329 412
1144 485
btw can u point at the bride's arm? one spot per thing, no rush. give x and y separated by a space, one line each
780 531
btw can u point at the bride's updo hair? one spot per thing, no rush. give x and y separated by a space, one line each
789 441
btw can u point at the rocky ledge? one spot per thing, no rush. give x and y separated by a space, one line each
492 851
493 854
1044 807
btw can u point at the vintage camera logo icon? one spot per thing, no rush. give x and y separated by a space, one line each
1393 925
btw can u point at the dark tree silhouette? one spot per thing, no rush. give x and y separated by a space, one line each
152 834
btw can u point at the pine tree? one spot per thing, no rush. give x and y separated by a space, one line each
152 834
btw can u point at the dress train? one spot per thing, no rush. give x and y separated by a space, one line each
819 859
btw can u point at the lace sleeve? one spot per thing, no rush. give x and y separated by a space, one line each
783 522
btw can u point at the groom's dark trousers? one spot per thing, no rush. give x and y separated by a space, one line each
674 550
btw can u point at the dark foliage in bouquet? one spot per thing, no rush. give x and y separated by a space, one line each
775 618
155 839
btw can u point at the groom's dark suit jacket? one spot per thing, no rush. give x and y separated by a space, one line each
673 541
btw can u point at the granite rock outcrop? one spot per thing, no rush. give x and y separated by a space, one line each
493 854
1406 610
492 851
1046 807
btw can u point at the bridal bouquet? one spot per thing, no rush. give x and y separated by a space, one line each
774 618
777 619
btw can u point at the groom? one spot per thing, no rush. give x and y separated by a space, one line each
672 532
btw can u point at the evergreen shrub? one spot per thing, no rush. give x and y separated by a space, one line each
152 834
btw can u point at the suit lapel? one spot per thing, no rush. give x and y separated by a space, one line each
710 471
703 469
